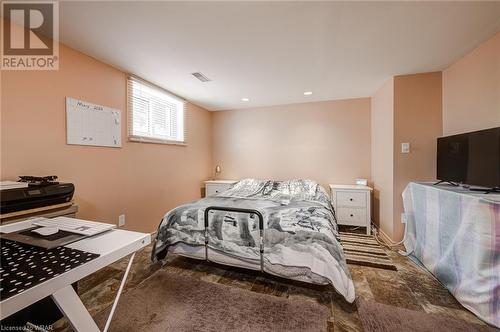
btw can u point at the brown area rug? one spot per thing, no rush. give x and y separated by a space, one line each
171 302
361 249
378 317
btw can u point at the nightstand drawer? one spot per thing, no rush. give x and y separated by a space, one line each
216 188
352 216
351 198
352 203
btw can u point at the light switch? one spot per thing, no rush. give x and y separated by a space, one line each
405 147
121 220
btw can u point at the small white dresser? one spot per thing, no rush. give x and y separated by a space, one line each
213 187
352 205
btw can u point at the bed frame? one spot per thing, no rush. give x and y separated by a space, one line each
228 209
238 210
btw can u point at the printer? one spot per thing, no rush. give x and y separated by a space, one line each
33 192
27 193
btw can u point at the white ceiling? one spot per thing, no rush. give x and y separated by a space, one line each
271 52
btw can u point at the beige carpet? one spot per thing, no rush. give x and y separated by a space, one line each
172 302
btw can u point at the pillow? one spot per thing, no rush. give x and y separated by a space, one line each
290 190
245 188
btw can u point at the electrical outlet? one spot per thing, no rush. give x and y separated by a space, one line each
121 220
405 147
403 218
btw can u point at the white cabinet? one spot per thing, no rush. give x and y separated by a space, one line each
213 187
352 205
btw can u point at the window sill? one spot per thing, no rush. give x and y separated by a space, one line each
155 141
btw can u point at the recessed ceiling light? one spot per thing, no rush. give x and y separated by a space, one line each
308 93
245 99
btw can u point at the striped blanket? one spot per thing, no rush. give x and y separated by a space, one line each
456 236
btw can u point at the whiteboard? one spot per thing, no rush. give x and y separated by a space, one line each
91 124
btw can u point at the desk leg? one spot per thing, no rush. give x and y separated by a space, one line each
73 309
117 298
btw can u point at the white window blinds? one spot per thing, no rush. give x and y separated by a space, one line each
155 115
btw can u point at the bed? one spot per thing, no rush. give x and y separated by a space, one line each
284 228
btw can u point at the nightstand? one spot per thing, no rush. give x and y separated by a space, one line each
213 187
352 204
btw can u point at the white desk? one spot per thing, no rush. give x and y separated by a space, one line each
111 246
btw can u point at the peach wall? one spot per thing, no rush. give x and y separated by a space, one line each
141 180
382 137
325 141
471 90
417 120
405 109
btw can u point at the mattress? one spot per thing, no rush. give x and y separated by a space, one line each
300 237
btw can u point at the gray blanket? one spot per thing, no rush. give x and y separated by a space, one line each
300 232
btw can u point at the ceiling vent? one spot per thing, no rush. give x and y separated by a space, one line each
201 77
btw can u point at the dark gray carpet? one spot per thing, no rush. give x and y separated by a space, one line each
378 317
172 302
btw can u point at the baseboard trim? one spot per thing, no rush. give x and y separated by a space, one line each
384 236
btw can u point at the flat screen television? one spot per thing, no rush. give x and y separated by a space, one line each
471 158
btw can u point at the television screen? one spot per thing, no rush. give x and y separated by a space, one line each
470 158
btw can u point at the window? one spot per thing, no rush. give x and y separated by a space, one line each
155 115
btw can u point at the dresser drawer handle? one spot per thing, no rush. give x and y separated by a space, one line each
350 199
352 215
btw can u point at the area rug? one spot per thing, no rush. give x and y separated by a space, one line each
172 302
361 249
378 317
